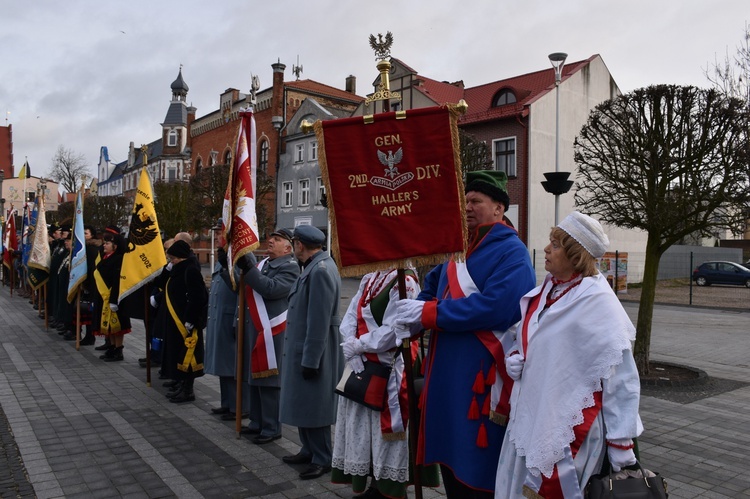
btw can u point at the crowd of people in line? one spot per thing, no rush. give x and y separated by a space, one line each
527 390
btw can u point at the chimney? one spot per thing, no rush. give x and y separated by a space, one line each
277 101
190 119
351 84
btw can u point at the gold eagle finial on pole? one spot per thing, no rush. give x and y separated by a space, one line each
382 47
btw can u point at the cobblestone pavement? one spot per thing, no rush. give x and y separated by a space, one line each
85 428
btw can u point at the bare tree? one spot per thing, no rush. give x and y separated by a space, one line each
69 168
671 161
475 154
171 200
207 188
732 75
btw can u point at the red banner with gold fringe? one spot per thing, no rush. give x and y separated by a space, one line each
394 187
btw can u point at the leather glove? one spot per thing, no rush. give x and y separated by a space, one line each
169 266
243 264
113 307
153 302
222 257
356 364
409 311
514 366
620 457
352 347
309 373
189 326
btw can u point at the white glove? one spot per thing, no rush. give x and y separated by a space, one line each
409 311
113 307
189 326
403 333
352 347
153 302
169 266
618 457
356 364
514 366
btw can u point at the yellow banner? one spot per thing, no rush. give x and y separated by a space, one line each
144 256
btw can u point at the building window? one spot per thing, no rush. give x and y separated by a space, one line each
263 156
171 174
505 156
299 153
304 192
313 151
172 138
503 97
228 157
321 188
288 192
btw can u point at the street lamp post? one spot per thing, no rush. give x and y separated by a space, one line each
557 182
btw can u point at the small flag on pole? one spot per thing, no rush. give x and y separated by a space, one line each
25 171
78 265
10 240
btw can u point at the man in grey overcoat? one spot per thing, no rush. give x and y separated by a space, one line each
313 360
269 284
221 341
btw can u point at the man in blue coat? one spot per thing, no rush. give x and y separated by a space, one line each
468 306
313 360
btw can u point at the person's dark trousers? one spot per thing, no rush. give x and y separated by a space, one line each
264 409
317 443
455 489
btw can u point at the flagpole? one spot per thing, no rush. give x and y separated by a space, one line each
78 319
240 355
146 296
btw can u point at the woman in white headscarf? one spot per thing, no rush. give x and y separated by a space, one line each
576 391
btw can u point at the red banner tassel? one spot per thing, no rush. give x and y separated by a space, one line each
482 437
473 409
486 406
479 383
490 380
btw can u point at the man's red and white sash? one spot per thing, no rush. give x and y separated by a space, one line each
461 285
263 357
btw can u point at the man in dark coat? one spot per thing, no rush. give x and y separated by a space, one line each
313 360
266 302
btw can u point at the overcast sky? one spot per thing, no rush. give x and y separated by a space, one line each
86 74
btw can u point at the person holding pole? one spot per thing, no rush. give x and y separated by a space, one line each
266 301
313 361
369 442
469 306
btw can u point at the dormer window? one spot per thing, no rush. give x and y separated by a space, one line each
172 138
503 97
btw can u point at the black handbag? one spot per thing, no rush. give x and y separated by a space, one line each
605 486
368 387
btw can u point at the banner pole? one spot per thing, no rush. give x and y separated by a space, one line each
411 392
146 296
78 319
240 355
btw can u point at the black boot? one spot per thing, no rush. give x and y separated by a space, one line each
175 389
186 394
108 352
89 339
105 345
116 355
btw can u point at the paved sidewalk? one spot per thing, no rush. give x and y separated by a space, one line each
85 428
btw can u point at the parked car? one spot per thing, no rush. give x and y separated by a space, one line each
721 273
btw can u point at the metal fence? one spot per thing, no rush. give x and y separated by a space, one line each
675 284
